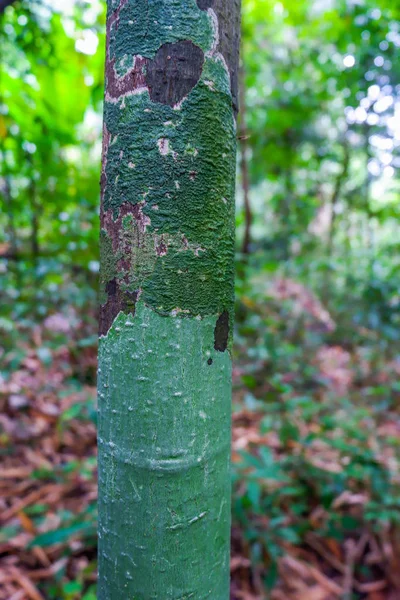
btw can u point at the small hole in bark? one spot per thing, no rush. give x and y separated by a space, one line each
210 361
221 332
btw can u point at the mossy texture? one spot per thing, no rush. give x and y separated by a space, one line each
187 191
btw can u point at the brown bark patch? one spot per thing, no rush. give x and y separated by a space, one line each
124 240
133 80
118 301
113 19
174 71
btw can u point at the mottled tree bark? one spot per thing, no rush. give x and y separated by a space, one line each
167 251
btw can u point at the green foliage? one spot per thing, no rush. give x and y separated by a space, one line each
320 83
49 131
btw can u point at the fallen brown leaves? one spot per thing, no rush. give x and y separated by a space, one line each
321 568
48 469
37 444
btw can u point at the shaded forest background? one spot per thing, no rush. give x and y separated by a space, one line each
316 419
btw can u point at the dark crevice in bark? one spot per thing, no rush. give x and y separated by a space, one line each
221 332
174 71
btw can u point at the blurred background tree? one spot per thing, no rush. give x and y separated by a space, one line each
316 417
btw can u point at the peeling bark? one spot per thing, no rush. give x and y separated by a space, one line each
166 294
132 82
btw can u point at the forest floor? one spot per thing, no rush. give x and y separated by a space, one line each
315 506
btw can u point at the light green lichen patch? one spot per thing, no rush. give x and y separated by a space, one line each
164 438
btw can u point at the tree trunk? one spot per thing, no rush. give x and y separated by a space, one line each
167 252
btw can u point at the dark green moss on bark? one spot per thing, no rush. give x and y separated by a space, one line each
180 165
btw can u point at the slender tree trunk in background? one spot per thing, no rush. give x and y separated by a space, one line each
167 252
244 167
340 180
369 231
8 203
348 226
34 238
35 250
288 207
34 208
337 190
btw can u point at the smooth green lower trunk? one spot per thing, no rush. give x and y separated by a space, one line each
167 250
164 445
